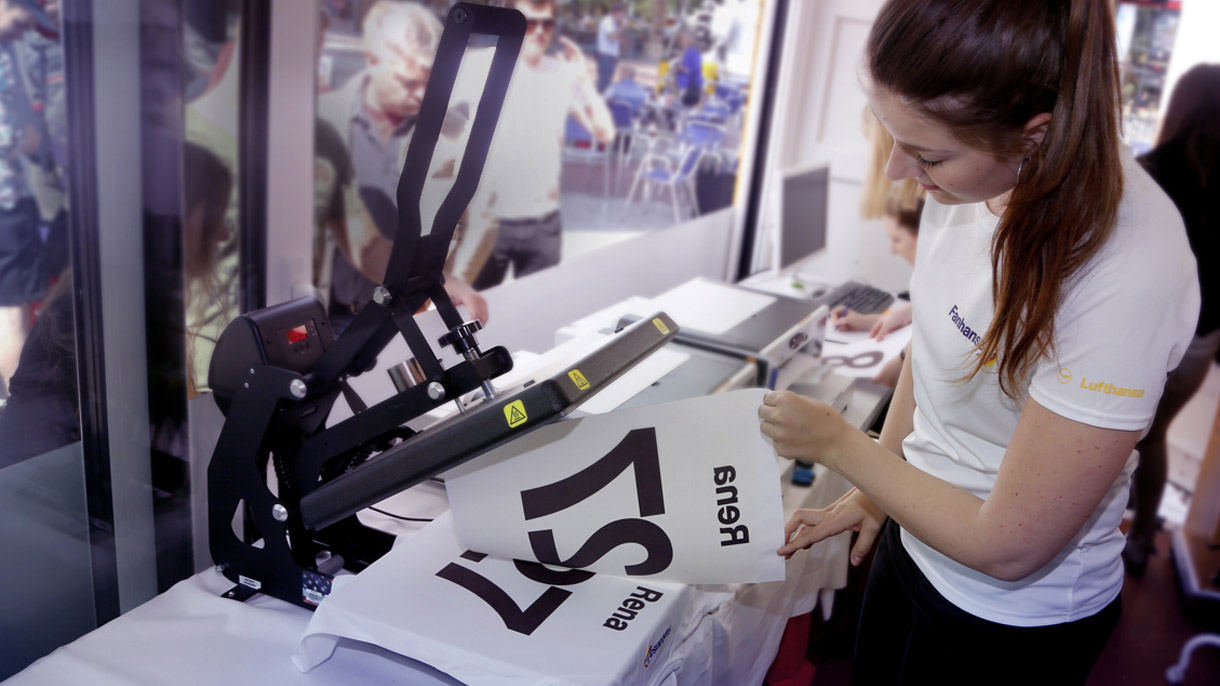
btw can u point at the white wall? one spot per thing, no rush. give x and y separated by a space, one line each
818 118
526 313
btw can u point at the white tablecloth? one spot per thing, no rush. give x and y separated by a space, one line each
190 635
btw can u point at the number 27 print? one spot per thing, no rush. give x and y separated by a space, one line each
685 491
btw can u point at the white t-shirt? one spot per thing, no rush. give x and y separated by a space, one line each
1125 322
526 155
607 44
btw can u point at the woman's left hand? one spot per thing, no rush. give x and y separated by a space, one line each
800 428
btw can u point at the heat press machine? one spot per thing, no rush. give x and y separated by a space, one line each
283 487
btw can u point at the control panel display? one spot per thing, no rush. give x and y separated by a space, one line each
297 334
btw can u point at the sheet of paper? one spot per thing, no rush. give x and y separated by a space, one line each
683 491
709 306
853 353
484 620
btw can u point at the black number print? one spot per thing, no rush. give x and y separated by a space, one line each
637 450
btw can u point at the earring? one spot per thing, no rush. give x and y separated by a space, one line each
1020 167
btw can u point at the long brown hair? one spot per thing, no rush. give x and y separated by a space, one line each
984 69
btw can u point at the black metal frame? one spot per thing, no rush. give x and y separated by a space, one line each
84 236
253 128
277 396
754 206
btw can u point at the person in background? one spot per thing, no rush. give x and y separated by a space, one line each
1186 163
42 412
526 157
902 227
23 277
688 70
609 44
878 188
41 57
627 89
1055 290
373 116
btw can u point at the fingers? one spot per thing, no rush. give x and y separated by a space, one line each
841 318
878 331
477 305
804 529
801 518
864 541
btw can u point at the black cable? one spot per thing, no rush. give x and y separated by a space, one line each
405 519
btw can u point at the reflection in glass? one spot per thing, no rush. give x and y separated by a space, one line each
212 56
620 119
37 353
1145 43
42 469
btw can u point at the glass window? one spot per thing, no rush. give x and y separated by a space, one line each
621 119
211 242
42 468
1145 42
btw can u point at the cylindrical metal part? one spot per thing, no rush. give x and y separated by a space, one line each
406 374
488 390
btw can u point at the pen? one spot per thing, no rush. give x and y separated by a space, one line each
846 307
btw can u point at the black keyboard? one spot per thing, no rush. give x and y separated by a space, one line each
857 296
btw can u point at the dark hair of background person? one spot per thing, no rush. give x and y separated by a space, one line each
1186 163
207 184
907 212
998 64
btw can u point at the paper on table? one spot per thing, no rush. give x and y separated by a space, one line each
853 353
700 502
708 306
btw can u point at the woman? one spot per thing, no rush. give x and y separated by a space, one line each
901 222
43 411
1055 290
1186 163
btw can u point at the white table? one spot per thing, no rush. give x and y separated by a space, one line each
190 635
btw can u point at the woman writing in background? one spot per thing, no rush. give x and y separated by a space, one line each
1056 289
901 221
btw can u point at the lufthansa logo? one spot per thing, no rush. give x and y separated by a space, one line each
1065 375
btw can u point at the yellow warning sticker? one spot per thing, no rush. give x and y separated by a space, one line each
579 379
661 326
515 413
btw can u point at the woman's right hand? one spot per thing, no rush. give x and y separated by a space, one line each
850 320
852 512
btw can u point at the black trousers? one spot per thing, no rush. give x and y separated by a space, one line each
527 245
910 634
